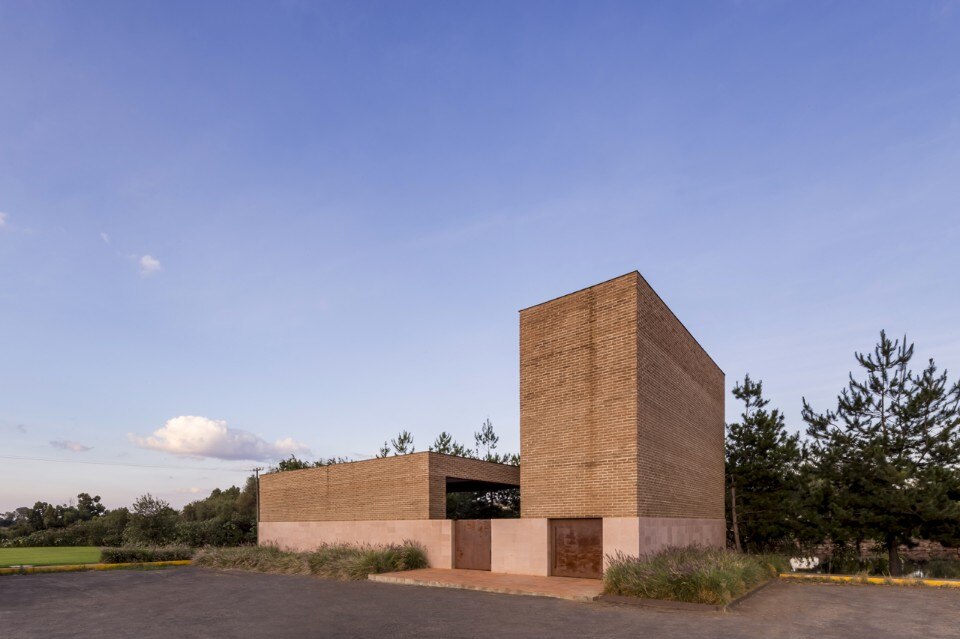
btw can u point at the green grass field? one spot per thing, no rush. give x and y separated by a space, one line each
49 556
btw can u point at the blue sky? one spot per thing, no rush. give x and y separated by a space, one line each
315 222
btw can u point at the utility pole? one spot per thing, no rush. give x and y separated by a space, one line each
256 472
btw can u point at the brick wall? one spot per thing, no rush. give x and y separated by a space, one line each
388 488
681 429
621 411
578 403
443 466
400 487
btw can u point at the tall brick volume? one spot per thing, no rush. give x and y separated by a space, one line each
621 410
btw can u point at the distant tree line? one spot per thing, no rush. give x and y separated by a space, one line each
226 517
882 467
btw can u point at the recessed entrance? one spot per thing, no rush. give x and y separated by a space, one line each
576 548
471 542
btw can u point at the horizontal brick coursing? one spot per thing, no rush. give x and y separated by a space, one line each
680 457
401 487
444 466
578 404
621 411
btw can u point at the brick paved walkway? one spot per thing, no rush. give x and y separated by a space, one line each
559 587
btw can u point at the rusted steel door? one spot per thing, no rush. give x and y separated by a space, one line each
576 546
471 541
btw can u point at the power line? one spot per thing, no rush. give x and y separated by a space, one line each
95 463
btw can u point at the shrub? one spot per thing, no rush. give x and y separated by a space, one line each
215 532
152 522
776 563
942 569
342 561
693 574
335 561
257 558
138 554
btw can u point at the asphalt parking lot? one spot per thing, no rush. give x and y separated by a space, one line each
195 602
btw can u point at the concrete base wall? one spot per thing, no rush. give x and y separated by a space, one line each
517 546
657 533
520 546
635 536
436 535
620 534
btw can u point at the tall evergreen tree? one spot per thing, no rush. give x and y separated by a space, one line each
762 465
446 444
889 455
403 444
486 440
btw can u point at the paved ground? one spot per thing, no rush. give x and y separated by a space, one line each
193 602
559 587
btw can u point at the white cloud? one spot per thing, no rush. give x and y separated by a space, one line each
149 265
192 490
3 220
195 436
66 444
104 237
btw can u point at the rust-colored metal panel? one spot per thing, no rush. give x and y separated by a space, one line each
471 539
576 547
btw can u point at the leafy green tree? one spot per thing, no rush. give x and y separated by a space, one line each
152 521
89 507
889 455
763 473
51 517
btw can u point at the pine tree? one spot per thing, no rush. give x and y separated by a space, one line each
486 440
403 444
762 462
889 455
446 444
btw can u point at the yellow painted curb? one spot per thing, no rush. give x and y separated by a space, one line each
880 581
30 570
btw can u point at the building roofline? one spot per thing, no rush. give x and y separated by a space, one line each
580 290
381 459
650 286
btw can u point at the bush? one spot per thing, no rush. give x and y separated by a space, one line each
942 569
152 522
334 561
345 562
694 574
138 554
776 563
215 532
257 558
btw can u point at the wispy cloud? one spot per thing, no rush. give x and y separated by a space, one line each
192 490
66 444
195 436
149 265
3 220
104 237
